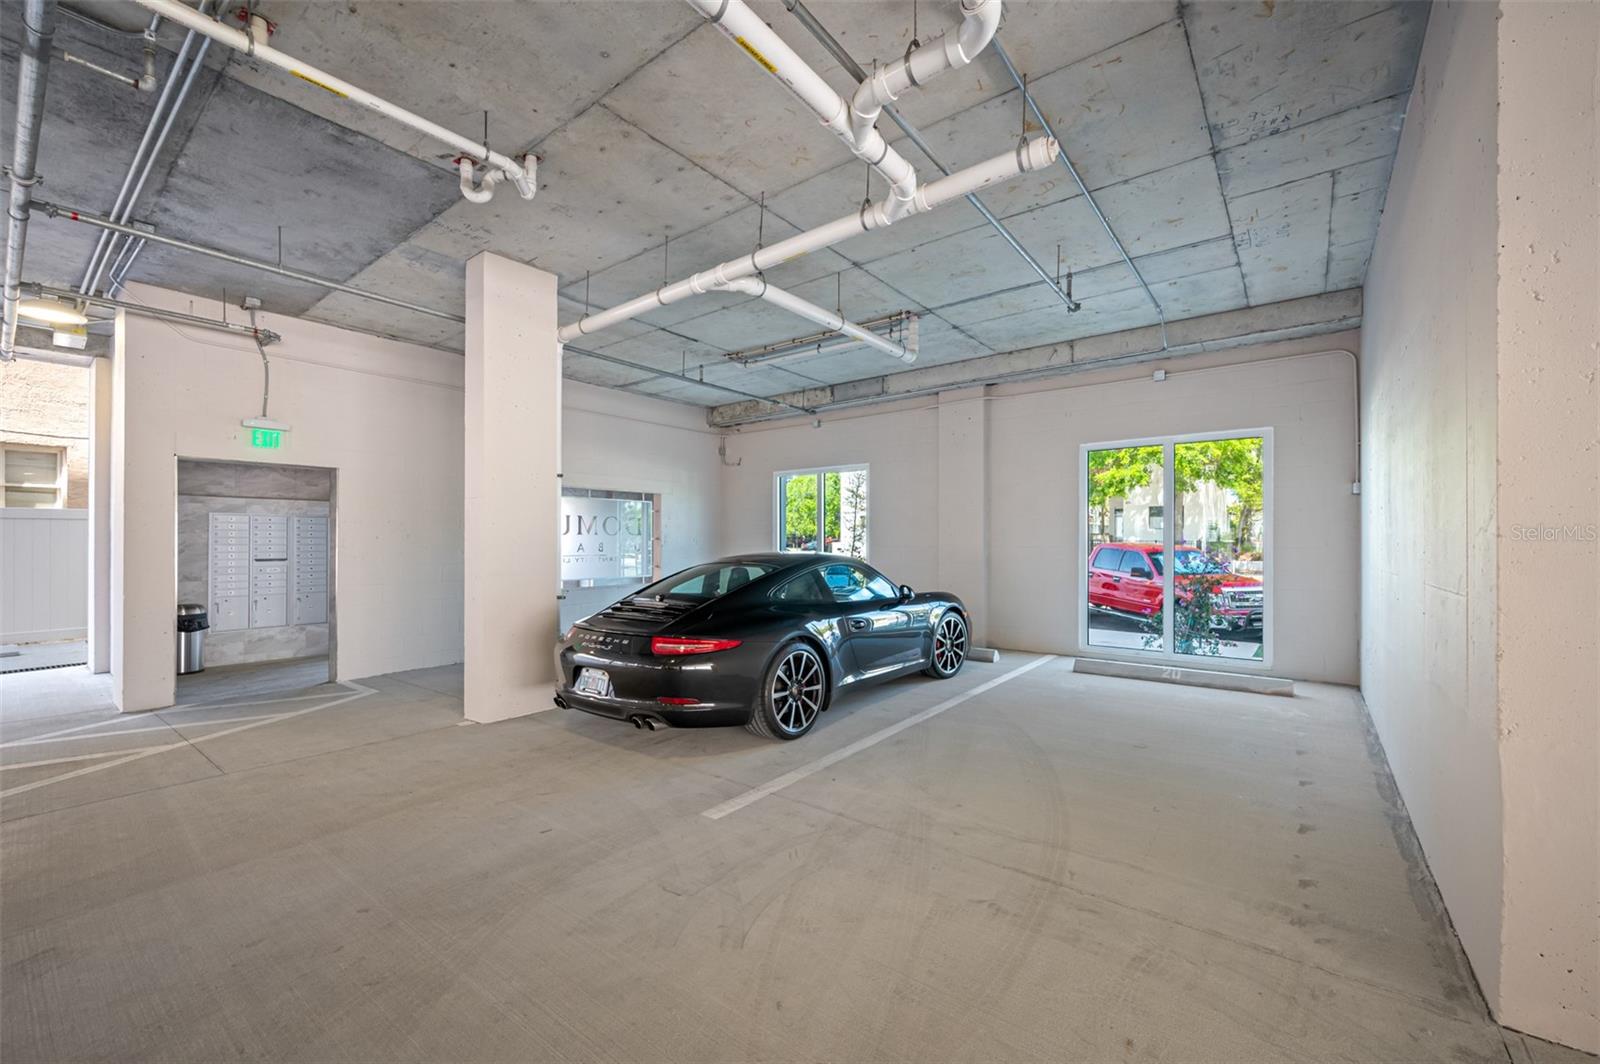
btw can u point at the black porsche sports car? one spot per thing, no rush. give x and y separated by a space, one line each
763 640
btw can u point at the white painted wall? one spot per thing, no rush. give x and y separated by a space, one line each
614 441
1428 422
1027 491
389 417
386 415
1480 646
44 581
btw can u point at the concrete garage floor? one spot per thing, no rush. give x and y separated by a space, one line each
1060 867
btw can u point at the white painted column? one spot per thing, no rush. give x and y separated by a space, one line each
99 613
964 502
513 454
144 501
1548 510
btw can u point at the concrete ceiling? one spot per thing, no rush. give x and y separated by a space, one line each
1241 151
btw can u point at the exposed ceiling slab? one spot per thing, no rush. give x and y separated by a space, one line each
534 65
1241 151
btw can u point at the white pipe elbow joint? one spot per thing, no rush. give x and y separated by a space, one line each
980 22
527 178
484 192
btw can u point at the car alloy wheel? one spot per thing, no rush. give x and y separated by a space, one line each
796 691
949 646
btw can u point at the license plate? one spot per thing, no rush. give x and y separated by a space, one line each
595 682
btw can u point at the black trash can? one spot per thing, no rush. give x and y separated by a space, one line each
192 625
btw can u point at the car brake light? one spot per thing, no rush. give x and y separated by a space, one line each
672 646
678 701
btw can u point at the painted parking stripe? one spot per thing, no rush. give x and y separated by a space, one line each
755 794
359 690
136 731
129 718
75 758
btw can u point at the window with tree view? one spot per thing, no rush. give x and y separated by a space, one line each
823 510
1208 561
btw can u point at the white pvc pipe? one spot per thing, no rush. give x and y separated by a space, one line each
944 52
1026 157
758 40
187 16
826 318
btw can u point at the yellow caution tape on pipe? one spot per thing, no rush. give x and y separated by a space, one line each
757 56
320 84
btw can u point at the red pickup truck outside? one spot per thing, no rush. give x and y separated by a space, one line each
1125 578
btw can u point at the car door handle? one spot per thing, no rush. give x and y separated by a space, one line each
1116 579
858 624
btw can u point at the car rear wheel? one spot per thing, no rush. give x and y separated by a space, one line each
792 694
949 647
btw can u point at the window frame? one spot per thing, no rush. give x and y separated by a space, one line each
819 472
1167 655
58 489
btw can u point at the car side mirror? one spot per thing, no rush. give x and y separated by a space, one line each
906 593
1141 573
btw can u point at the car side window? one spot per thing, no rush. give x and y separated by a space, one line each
1108 559
807 587
882 589
850 583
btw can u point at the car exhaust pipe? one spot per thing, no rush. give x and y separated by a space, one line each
649 723
561 703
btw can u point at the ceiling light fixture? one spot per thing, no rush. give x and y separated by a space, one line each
51 312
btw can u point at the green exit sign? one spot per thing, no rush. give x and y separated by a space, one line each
269 438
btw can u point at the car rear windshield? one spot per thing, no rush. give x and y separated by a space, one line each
706 582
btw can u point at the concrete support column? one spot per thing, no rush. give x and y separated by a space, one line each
144 499
99 612
513 455
964 502
1548 505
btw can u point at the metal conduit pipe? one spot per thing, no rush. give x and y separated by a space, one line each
121 206
33 68
838 323
659 374
114 284
855 70
520 173
1028 156
150 160
1044 123
55 210
265 336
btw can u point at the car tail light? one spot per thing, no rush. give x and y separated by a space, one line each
673 646
678 701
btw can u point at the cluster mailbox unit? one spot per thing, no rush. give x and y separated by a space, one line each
268 570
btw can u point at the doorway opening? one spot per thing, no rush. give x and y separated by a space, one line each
256 555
